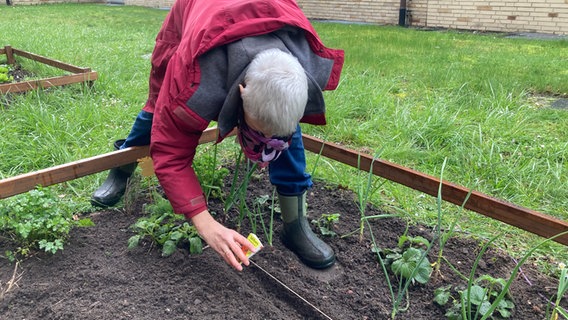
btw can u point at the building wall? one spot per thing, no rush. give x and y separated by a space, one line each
542 16
368 11
151 3
143 3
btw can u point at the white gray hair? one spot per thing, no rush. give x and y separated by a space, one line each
276 91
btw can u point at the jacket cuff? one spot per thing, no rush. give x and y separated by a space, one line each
196 206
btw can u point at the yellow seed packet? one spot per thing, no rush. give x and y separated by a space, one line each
252 238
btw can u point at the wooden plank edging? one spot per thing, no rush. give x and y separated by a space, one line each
47 82
50 62
523 218
520 217
80 168
79 74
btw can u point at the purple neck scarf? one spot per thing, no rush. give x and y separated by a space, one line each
258 148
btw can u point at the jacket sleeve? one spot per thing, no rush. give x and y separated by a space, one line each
167 42
175 135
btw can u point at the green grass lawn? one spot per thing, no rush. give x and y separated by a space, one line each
416 98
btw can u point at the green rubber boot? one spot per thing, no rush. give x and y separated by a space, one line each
110 192
299 237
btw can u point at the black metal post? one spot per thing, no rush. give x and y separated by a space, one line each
402 14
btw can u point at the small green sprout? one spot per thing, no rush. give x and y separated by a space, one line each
326 222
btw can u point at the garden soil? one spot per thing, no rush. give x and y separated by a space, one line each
97 277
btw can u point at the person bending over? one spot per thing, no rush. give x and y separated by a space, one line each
257 65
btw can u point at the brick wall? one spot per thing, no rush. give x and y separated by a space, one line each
543 16
369 11
143 3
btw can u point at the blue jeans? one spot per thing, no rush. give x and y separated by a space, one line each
140 133
287 173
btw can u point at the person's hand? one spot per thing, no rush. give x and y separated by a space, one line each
227 242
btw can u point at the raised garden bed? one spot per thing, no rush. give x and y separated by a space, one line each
78 74
97 277
524 218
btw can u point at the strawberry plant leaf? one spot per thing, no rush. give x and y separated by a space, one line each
504 308
39 219
168 248
195 245
477 295
176 236
408 267
484 308
423 273
133 241
165 228
442 295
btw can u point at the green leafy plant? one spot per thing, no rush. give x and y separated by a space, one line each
477 298
412 265
39 219
498 297
256 214
408 261
494 296
166 229
237 192
326 223
4 76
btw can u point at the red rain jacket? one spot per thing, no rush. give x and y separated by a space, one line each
191 29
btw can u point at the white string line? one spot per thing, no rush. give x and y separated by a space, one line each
285 286
288 288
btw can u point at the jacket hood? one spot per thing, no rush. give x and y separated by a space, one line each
247 49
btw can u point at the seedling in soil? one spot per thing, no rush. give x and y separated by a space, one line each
365 192
260 204
237 193
477 298
561 291
444 236
410 263
165 228
210 174
326 222
256 214
494 294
